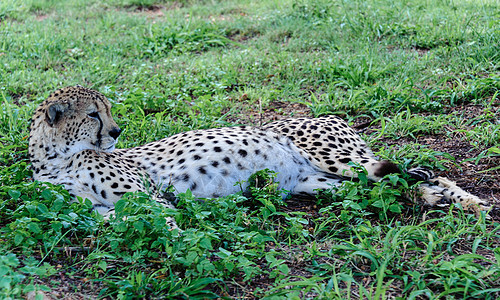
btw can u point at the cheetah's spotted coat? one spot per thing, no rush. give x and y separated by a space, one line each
73 137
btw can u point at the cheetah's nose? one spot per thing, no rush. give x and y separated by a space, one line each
115 132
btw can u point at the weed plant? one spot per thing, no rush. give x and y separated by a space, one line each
412 70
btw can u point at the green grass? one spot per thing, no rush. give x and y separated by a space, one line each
414 70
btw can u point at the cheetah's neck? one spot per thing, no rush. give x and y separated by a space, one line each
46 157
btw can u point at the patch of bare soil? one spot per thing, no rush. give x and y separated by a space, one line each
276 110
64 287
473 177
42 17
155 11
420 51
69 282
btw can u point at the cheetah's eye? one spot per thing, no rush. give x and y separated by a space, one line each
94 115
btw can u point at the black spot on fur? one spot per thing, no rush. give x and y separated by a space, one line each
345 160
242 152
333 169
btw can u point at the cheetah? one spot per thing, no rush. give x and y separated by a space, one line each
73 137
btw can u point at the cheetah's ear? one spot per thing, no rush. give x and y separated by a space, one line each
55 111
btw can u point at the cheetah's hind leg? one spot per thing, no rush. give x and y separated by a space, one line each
169 220
309 184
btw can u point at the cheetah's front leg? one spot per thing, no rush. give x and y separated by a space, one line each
308 185
170 221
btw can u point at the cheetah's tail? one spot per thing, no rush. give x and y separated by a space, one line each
440 191
435 191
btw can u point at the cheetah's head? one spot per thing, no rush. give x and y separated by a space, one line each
73 119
